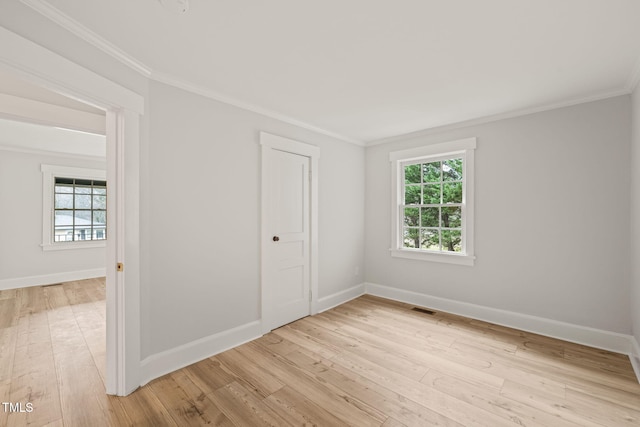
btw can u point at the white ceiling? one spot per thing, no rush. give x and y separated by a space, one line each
21 136
29 103
11 85
372 69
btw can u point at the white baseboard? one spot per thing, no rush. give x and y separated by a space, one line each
634 355
334 300
171 360
49 279
612 341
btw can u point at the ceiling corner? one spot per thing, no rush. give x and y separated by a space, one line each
55 15
634 78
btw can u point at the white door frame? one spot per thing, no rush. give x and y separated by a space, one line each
274 142
45 68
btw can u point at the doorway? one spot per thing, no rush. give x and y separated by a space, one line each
42 67
289 230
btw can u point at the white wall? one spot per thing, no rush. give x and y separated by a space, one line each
635 225
203 216
199 264
552 216
22 260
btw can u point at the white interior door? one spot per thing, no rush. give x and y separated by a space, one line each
288 248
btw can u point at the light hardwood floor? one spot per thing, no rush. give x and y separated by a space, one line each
370 362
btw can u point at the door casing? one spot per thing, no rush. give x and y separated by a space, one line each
45 68
274 142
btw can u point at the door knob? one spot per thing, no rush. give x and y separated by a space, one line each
276 238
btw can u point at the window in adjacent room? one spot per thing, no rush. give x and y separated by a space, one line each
74 207
80 210
432 210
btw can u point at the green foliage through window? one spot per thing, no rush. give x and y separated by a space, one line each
433 203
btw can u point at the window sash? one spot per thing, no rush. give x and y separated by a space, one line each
440 228
402 205
78 232
464 148
424 154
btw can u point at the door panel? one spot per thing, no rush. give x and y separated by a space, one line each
290 192
289 260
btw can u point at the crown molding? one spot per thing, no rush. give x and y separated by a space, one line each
76 28
38 112
216 96
497 117
46 9
51 153
43 67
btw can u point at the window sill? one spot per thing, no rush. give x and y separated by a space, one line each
447 258
62 246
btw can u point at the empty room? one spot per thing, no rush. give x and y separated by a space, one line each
363 213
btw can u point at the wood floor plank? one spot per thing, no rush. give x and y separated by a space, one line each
433 399
249 374
360 388
243 408
400 316
143 408
113 409
201 401
491 401
392 422
602 411
510 368
8 313
81 387
350 411
90 319
277 344
297 410
391 359
9 294
33 377
209 375
369 362
8 341
576 373
309 342
603 361
186 409
428 353
536 399
609 394
392 331
5 393
357 386
32 300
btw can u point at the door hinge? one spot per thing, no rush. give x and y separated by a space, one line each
120 266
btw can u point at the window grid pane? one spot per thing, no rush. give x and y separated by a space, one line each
79 210
432 217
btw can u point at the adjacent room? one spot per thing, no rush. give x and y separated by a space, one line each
328 213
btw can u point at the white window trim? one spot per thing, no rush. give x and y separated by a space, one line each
465 147
49 173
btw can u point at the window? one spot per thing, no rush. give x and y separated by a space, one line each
432 209
74 208
80 210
